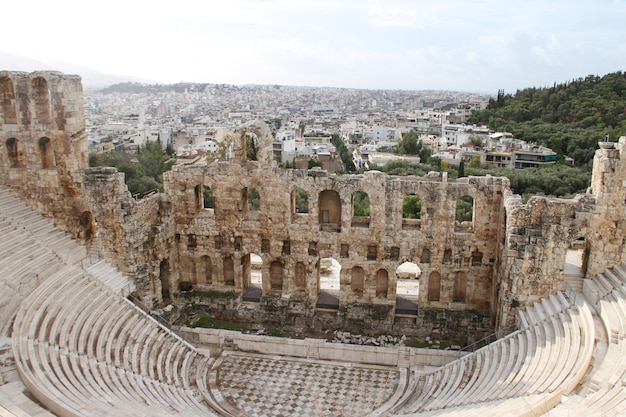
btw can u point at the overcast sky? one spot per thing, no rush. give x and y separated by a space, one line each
479 46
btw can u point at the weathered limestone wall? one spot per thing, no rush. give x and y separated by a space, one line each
43 142
539 233
292 244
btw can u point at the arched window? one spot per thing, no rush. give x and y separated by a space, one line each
330 211
276 276
464 211
434 286
360 209
299 201
412 207
46 154
460 287
229 271
254 199
204 273
425 258
356 280
208 201
329 272
41 97
300 282
13 152
164 276
7 101
382 283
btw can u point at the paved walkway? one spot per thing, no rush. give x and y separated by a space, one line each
258 385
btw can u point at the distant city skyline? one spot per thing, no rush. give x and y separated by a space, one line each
479 46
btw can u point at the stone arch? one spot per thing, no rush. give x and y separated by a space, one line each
8 103
164 277
299 201
206 198
88 227
329 206
204 270
329 274
14 152
300 281
360 209
229 271
357 279
412 207
407 280
434 286
382 283
41 98
464 214
254 199
460 287
276 276
425 258
46 153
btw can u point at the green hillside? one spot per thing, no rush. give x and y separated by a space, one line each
570 118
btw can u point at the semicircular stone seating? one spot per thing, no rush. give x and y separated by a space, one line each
528 370
79 347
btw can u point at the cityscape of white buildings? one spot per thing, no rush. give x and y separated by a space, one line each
192 119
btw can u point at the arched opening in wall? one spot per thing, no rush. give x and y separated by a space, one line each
229 271
204 197
253 277
575 267
254 199
88 227
299 201
252 146
164 277
300 279
276 276
357 280
434 286
464 217
204 270
7 101
411 212
46 153
13 152
382 283
460 287
41 97
425 258
360 209
407 288
330 211
329 271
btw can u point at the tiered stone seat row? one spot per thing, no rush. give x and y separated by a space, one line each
605 393
555 335
80 346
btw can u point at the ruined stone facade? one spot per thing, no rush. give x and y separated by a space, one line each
179 248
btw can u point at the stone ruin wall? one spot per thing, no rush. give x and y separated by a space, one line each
512 254
209 241
42 132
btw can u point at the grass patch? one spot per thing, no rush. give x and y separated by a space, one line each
211 323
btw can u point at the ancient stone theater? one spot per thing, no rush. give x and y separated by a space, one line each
535 291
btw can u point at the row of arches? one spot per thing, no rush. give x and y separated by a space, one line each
39 92
329 206
201 271
15 153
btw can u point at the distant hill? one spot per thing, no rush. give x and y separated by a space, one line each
570 117
91 78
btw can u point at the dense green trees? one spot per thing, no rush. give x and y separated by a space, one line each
410 144
143 172
570 117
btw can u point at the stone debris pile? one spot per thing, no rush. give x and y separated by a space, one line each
357 339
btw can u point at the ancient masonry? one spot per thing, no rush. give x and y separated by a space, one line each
179 249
